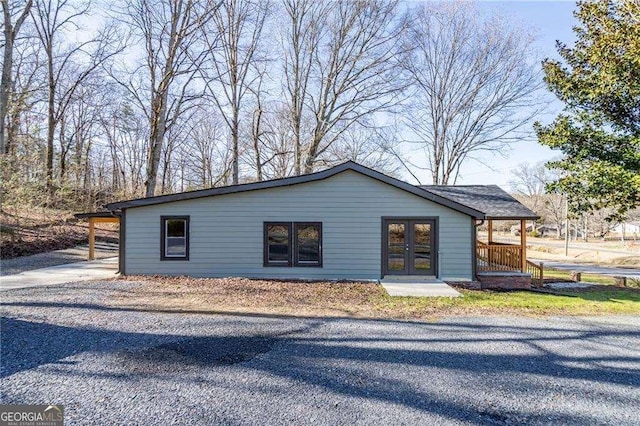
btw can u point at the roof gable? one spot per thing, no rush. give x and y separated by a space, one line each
295 180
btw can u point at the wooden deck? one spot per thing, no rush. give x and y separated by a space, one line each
498 257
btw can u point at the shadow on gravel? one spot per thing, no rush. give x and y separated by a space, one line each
27 345
340 365
343 365
197 351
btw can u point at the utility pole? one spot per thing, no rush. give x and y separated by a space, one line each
566 227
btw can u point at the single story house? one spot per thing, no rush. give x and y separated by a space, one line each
348 222
630 229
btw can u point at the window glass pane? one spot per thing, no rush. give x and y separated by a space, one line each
308 243
176 246
278 243
176 228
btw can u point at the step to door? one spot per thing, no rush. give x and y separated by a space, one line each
419 289
411 278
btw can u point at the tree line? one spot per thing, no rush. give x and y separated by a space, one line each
132 98
109 100
530 183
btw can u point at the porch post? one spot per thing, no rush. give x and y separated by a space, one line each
490 231
523 244
490 241
92 239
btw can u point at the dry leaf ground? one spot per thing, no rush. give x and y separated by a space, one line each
353 299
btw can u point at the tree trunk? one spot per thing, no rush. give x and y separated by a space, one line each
64 150
312 155
234 143
5 84
13 128
51 122
156 140
153 163
6 81
256 142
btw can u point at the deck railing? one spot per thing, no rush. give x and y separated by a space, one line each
536 271
498 257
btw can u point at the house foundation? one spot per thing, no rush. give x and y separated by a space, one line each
504 280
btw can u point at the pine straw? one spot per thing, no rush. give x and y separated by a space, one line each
354 299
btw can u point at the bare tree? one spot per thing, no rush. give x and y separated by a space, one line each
126 136
10 10
530 182
67 65
300 39
163 81
474 84
277 150
205 158
257 124
23 97
80 126
367 145
233 65
353 70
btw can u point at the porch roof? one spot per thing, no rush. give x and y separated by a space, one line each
99 215
492 200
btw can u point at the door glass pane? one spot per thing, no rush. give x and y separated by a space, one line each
422 246
397 239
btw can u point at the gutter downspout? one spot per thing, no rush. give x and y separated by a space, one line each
121 240
474 248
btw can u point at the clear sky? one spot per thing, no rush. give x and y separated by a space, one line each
551 20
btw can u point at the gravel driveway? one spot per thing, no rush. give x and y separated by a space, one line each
66 345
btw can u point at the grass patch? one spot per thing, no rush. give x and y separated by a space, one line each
365 300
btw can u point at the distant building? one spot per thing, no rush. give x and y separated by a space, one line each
627 228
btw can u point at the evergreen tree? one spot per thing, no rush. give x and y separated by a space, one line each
598 79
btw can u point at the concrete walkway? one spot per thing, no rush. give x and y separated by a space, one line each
47 259
418 288
60 274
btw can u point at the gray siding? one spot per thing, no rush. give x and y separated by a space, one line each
227 230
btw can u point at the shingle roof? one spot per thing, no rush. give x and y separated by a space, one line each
312 177
477 201
492 200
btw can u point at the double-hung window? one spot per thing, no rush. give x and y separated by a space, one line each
174 244
293 244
